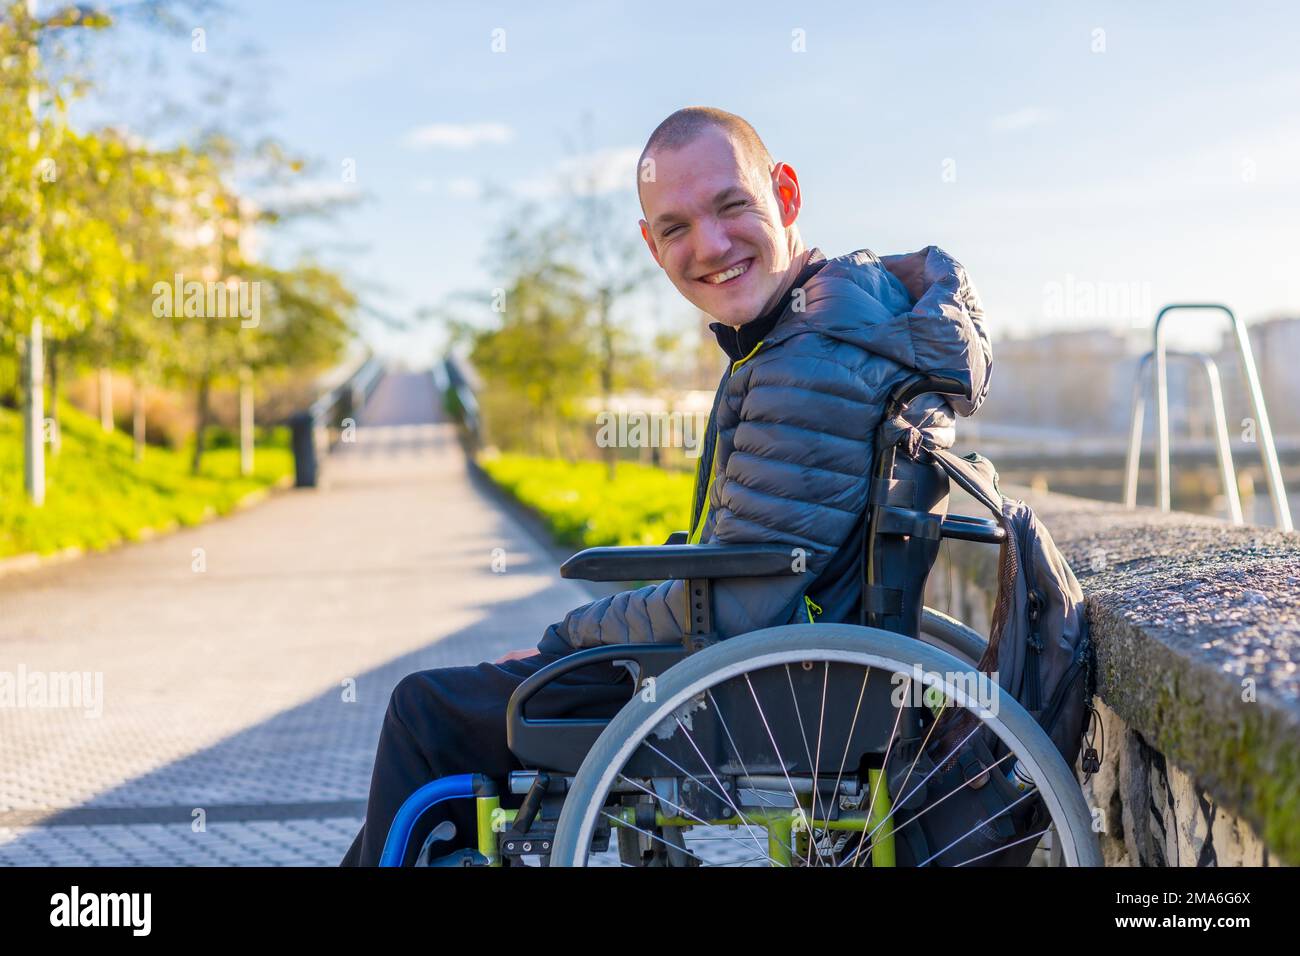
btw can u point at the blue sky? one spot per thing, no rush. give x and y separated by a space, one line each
1156 160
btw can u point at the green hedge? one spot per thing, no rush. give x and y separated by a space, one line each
97 495
583 509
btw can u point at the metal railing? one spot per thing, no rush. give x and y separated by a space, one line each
318 429
1268 450
1221 445
461 391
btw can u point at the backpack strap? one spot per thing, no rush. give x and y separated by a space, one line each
974 476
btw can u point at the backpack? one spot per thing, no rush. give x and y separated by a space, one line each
1041 651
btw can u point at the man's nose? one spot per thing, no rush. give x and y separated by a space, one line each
711 242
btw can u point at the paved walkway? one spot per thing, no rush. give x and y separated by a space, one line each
246 663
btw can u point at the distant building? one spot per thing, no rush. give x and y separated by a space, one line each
1082 382
1276 345
1078 381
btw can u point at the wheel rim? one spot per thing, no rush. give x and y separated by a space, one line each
825 645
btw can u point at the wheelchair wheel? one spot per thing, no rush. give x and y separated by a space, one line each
823 745
951 635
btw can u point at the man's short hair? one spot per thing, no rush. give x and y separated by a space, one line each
686 124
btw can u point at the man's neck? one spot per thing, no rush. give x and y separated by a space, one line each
738 340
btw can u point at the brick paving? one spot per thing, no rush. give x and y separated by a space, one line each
229 690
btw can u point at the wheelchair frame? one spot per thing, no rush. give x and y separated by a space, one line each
903 526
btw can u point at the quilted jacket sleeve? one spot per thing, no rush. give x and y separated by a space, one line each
797 476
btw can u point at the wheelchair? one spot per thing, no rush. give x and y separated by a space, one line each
817 744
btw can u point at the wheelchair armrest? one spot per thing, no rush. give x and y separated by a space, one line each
966 528
678 537
561 743
684 561
941 382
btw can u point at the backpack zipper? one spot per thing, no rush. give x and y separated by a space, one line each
1032 679
1058 699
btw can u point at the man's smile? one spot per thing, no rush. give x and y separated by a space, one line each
729 274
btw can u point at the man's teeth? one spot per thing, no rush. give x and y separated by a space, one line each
731 273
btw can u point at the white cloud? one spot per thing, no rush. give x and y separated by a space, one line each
464 188
1022 119
308 193
461 187
457 135
604 171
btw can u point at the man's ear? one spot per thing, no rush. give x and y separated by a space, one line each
645 234
785 183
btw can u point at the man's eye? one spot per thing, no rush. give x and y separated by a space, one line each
669 232
732 205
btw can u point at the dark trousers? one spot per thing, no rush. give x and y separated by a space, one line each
452 720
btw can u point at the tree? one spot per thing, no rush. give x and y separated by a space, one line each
33 291
600 241
538 362
102 237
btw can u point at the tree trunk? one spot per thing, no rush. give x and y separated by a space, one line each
52 379
34 415
552 436
607 372
11 391
137 417
106 399
245 422
201 428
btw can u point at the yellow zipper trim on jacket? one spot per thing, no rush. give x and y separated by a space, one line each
698 530
812 606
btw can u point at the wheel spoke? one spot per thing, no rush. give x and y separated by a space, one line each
1032 836
753 859
742 792
849 737
703 786
732 741
821 724
922 812
798 716
653 836
883 778
1023 797
935 769
678 807
709 767
775 749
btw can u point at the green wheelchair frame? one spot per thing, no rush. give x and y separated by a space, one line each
904 524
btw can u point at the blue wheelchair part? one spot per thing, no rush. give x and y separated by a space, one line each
458 787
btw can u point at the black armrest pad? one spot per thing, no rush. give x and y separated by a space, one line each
677 537
939 382
966 528
664 562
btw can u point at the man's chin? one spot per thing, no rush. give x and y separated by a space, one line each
735 316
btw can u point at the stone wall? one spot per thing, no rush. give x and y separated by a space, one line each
1197 629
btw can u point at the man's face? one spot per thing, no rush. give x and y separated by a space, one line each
711 216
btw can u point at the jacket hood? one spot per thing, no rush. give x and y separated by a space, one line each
918 309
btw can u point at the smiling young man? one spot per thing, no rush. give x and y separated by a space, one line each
723 225
815 345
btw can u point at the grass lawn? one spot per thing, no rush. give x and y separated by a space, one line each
583 509
97 495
